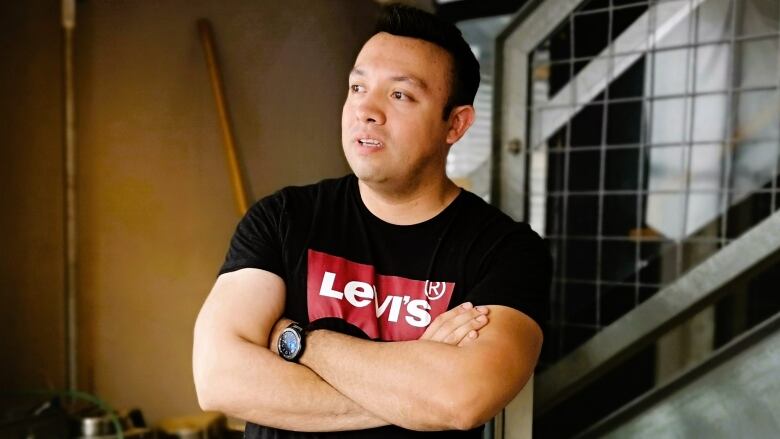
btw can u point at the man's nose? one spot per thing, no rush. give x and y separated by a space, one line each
369 111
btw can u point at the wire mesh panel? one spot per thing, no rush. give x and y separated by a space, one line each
653 132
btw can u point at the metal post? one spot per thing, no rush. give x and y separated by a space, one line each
71 250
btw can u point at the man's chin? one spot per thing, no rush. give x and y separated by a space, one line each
369 177
366 172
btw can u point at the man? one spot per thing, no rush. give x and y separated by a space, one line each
389 303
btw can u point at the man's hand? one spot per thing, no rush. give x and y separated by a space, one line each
458 326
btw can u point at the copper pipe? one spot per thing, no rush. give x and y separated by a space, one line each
239 187
71 237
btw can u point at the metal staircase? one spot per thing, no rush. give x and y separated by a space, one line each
754 253
641 138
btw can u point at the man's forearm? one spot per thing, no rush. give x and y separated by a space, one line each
428 385
236 373
255 384
451 328
414 384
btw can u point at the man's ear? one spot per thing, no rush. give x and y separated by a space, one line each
461 119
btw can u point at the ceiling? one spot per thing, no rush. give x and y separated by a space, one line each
459 10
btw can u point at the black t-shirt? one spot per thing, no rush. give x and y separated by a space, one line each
339 260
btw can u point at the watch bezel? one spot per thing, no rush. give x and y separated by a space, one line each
297 331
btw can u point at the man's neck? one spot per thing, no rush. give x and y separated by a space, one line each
411 206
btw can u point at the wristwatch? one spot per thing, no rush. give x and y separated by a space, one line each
291 342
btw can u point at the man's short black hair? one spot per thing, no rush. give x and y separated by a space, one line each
406 21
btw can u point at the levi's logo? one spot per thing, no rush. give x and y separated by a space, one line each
360 294
390 308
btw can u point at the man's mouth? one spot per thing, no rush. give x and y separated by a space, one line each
370 143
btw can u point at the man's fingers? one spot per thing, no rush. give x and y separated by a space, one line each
454 323
467 330
453 330
471 336
437 323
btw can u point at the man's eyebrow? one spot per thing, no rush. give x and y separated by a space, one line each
400 78
411 80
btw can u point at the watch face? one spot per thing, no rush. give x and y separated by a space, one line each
289 344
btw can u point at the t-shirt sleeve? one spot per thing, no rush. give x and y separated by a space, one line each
516 273
257 241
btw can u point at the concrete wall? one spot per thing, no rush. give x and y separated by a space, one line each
32 328
156 209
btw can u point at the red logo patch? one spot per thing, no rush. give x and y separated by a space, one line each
389 308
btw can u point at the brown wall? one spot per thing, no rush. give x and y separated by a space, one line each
32 340
155 205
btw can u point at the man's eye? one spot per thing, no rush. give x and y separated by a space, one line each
356 88
399 95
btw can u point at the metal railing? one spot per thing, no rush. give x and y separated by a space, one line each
748 361
700 287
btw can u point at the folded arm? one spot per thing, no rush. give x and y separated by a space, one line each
237 374
426 385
